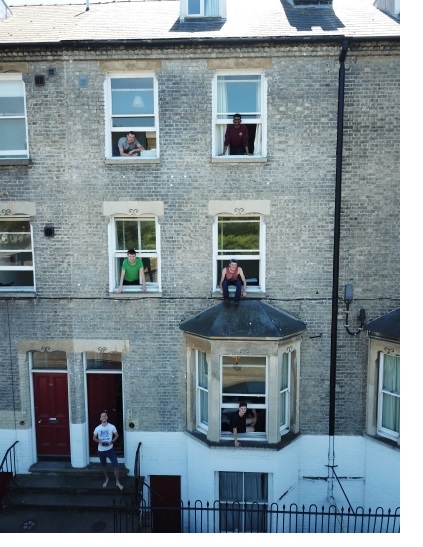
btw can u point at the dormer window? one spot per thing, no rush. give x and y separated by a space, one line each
202 8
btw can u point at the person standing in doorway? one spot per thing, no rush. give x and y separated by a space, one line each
105 435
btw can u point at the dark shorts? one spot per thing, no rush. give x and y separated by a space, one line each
104 454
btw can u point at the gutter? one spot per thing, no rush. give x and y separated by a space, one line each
216 41
335 277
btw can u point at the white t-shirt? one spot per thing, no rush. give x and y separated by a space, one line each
105 433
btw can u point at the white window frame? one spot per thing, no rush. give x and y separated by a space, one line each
222 120
186 14
114 253
285 393
18 153
233 407
382 394
239 255
124 130
21 268
202 392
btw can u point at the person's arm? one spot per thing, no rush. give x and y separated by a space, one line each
235 433
252 421
244 282
115 436
142 276
222 277
96 439
122 277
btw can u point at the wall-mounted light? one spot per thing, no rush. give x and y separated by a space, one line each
236 365
348 298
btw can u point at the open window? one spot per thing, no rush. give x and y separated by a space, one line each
141 234
132 106
241 93
16 255
242 238
13 122
388 408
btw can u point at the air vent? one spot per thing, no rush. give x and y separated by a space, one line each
40 79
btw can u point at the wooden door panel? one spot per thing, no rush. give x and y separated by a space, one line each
105 394
166 503
51 414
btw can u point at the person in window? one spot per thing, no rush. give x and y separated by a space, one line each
129 146
240 423
132 271
236 138
233 275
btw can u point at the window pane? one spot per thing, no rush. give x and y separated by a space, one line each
203 378
194 7
230 486
132 96
12 98
15 235
13 134
127 234
244 378
47 360
236 235
255 487
103 361
391 412
133 123
204 407
238 94
283 373
391 374
15 259
148 235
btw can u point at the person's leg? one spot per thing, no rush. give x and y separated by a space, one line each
238 287
225 287
113 459
103 463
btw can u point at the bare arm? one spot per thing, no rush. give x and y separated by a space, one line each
222 277
235 433
122 276
142 277
244 282
115 437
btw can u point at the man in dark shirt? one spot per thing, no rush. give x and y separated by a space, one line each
236 137
240 423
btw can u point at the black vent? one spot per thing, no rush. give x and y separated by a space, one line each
40 79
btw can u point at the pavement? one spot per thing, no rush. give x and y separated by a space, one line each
33 521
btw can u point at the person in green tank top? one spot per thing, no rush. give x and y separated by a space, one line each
132 271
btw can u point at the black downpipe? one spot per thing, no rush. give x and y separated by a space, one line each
337 234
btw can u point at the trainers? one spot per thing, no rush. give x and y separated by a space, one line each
226 302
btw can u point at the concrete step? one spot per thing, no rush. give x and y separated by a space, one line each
60 487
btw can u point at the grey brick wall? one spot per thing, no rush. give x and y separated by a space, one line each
69 180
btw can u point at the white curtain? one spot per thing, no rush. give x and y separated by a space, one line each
211 7
391 384
222 108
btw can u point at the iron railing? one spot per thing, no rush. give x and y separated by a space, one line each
224 517
7 470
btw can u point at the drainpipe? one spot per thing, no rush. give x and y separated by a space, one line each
335 279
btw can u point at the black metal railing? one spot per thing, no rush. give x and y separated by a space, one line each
7 470
137 474
223 517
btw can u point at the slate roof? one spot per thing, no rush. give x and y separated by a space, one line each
252 319
387 326
135 20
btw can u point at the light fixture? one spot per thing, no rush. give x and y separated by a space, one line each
137 102
348 298
236 365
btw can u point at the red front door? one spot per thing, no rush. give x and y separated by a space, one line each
105 394
51 414
165 503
